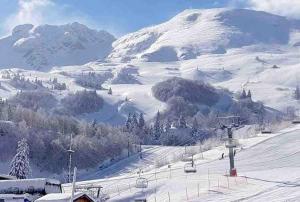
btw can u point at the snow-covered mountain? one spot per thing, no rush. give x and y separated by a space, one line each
196 32
46 46
229 48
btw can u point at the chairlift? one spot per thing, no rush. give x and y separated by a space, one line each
266 130
231 143
2 133
190 168
186 157
141 182
140 200
296 120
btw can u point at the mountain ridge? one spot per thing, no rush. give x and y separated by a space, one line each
42 47
194 32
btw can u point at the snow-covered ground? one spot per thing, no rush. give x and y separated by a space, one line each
268 169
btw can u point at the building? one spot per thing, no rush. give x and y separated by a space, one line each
15 198
13 190
6 177
66 197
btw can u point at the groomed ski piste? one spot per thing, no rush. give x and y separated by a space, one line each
268 167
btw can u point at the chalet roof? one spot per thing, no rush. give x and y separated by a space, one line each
6 177
62 197
28 185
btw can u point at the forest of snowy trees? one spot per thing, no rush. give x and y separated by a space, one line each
47 123
48 138
193 108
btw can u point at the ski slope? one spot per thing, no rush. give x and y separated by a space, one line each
268 169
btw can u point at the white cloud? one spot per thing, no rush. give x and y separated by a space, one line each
289 8
29 11
39 12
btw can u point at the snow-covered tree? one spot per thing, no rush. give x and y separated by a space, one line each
157 127
297 93
141 121
168 125
134 121
249 94
128 122
243 95
181 122
195 127
109 91
20 167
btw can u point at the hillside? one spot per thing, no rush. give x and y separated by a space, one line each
262 167
193 33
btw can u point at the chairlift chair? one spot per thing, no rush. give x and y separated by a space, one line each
141 182
190 168
140 200
266 130
231 143
186 158
296 120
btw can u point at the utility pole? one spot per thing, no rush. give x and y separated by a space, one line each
128 152
70 151
231 143
73 184
230 147
141 155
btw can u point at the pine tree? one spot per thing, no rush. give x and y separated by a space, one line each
297 93
128 123
243 95
181 122
20 167
134 121
9 113
195 127
94 123
141 121
109 91
168 125
249 94
157 127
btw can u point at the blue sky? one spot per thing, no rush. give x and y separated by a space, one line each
117 16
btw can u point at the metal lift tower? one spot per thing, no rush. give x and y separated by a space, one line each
231 143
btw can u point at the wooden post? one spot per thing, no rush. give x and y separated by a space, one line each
169 196
227 181
208 179
155 176
155 194
186 193
198 190
201 151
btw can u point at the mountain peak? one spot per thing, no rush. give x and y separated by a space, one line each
45 46
21 30
194 32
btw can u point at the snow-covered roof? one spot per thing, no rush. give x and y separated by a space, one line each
62 197
6 177
30 185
